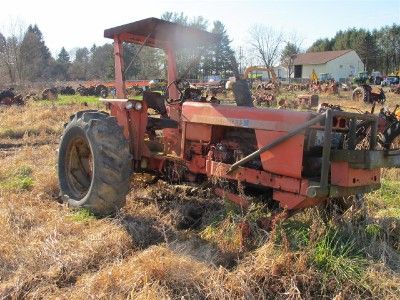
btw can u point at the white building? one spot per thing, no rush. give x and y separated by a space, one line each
280 72
340 64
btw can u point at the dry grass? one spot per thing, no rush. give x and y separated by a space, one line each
49 251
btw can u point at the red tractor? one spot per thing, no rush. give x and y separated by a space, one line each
297 159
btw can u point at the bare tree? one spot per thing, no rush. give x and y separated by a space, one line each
10 51
267 43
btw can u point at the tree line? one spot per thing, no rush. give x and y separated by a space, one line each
26 58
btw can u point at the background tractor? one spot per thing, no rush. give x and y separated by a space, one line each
369 94
363 78
293 159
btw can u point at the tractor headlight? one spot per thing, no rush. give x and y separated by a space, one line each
129 105
138 105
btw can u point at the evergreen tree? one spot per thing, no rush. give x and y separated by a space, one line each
63 56
359 40
321 45
189 58
61 66
222 52
35 57
101 64
287 56
79 68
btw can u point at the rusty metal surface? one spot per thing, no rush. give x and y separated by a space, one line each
368 159
342 174
245 117
161 33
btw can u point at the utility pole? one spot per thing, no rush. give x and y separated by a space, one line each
240 59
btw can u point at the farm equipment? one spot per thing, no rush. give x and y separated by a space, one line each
391 80
388 127
93 90
295 159
50 94
326 78
369 94
363 78
395 89
66 90
8 97
265 92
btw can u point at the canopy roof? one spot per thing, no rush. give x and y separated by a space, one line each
160 34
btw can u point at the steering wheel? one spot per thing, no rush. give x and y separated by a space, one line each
180 90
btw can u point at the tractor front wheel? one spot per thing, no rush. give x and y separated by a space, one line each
94 163
360 94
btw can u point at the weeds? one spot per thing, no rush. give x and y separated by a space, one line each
373 230
71 100
338 257
81 215
386 201
21 179
49 251
295 231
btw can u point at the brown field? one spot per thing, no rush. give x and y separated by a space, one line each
49 251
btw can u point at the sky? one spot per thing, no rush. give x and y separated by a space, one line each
78 23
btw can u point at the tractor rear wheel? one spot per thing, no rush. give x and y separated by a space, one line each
360 94
391 137
94 168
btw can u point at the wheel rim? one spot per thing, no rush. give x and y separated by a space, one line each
358 95
79 167
395 145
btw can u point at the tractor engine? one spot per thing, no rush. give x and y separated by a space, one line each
234 146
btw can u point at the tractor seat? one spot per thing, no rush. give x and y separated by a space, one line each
156 101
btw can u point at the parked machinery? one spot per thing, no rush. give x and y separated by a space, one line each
369 94
296 159
8 97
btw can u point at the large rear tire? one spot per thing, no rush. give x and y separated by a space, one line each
391 137
360 94
94 163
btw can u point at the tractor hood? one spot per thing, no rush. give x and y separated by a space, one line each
245 117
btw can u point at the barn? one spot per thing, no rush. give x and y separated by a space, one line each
340 64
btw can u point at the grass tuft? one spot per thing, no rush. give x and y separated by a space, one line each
21 179
339 258
81 215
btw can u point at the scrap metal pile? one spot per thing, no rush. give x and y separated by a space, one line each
395 89
369 94
296 87
66 90
8 97
99 90
302 101
265 92
50 94
262 96
326 87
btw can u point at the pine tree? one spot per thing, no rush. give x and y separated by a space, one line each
63 56
223 53
79 68
287 56
60 69
321 45
35 60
